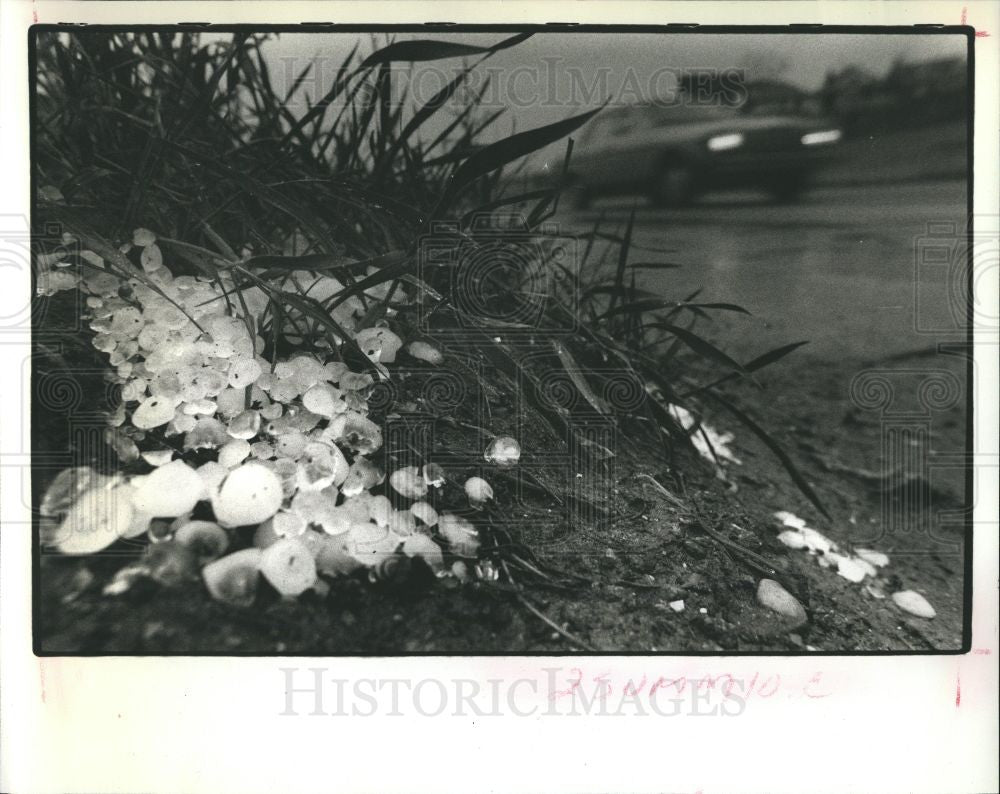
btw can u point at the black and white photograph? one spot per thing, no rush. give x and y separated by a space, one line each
500 342
514 397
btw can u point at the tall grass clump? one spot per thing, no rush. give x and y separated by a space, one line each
266 283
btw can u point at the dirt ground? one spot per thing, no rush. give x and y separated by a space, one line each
606 579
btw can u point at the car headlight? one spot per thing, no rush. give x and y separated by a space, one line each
720 143
817 138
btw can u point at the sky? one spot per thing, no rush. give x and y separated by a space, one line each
555 75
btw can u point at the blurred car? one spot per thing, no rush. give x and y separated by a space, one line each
675 153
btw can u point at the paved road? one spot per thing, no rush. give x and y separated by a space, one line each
838 268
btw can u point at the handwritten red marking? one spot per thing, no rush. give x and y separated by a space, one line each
814 681
980 34
774 688
981 651
958 690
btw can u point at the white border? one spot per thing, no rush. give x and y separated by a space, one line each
179 725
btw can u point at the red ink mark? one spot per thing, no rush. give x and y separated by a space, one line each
981 651
631 689
776 682
979 34
958 690
815 681
602 678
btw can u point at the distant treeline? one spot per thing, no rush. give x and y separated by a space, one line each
909 95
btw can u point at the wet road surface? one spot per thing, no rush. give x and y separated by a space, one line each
846 267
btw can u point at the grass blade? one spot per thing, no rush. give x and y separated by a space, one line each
775 447
432 50
496 155
700 346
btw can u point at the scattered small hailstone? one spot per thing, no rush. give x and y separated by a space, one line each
50 193
291 444
425 352
914 603
243 371
875 591
425 513
143 237
212 474
817 541
153 412
867 567
244 425
250 494
478 491
408 482
703 610
324 400
876 558
504 451
207 433
333 557
67 487
790 519
265 535
230 402
677 606
850 569
288 566
287 471
379 344
196 407
793 539
356 432
433 475
234 453
356 381
460 534
272 411
321 467
402 523
422 546
288 524
776 598
207 538
380 509
319 508
716 448
151 258
233 579
96 520
371 544
170 490
139 525
363 475
125 448
357 510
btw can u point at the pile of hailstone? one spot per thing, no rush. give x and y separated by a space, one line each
283 483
